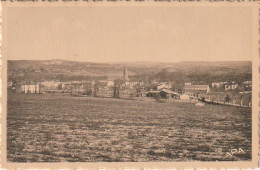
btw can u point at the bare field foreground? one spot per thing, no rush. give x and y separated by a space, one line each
57 128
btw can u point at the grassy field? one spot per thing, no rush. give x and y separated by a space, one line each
58 128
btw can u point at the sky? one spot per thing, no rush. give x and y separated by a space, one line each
130 34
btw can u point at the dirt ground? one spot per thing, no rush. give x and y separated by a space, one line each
57 128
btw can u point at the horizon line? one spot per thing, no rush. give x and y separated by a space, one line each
185 61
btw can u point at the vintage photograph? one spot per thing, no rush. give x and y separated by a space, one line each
129 84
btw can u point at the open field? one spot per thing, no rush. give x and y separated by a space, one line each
44 128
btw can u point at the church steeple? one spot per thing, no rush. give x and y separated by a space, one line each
125 74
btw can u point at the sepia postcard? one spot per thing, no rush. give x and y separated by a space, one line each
129 84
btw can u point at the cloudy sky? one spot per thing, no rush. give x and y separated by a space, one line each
128 34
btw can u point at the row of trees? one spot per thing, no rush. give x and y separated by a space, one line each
54 77
197 76
178 78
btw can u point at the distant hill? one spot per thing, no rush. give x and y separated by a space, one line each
51 69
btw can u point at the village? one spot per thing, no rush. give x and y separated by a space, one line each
228 93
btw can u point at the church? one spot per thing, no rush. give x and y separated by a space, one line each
127 81
125 74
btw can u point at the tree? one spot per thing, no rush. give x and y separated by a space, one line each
138 90
95 90
117 85
59 86
227 99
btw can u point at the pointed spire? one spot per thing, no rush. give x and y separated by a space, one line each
125 74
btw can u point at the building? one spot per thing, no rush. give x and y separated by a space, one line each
248 82
163 85
110 83
152 93
30 88
105 83
103 88
189 83
141 92
50 85
9 84
196 90
131 84
129 87
165 93
223 83
184 97
215 85
81 88
230 86
248 85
